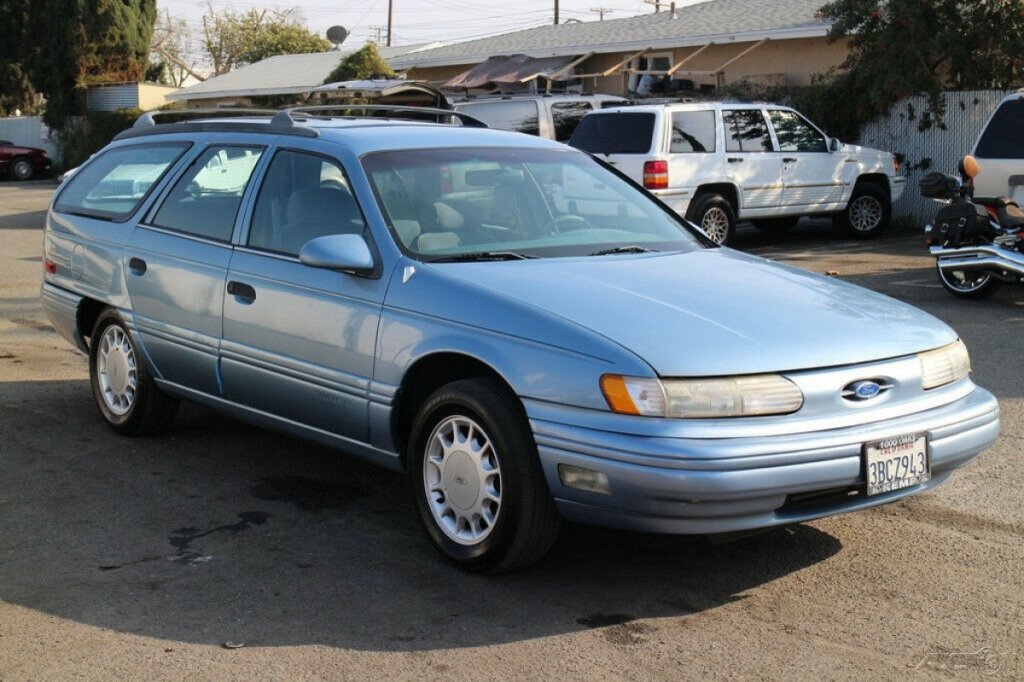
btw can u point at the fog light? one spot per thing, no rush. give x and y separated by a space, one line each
584 479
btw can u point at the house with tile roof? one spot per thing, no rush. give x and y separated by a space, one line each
710 44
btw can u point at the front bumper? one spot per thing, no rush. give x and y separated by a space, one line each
686 485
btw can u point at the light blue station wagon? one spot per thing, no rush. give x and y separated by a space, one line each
526 333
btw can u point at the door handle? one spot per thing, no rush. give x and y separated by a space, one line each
789 159
734 159
137 266
242 291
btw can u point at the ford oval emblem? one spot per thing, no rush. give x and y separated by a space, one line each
866 389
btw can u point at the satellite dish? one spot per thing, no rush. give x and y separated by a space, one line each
337 34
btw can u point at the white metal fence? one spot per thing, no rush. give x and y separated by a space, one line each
934 148
27 131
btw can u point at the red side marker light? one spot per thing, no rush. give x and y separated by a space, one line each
49 267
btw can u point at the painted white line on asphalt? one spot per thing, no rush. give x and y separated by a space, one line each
927 283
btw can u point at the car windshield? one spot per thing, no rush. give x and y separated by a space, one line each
475 204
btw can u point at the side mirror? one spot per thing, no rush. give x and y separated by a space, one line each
834 145
345 252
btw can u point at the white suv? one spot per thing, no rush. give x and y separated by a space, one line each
717 163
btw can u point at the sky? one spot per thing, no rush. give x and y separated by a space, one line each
419 21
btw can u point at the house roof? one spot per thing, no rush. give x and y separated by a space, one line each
716 20
286 74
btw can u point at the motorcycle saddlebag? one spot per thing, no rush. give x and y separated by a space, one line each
962 224
938 186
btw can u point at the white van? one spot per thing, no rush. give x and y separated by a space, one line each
1000 149
553 117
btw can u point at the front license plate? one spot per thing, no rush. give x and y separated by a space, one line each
897 462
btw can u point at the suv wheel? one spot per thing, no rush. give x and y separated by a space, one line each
713 214
868 212
477 480
22 169
128 400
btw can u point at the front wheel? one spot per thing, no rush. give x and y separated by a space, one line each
477 480
868 212
127 398
715 216
969 283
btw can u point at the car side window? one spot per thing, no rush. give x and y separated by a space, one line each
112 185
693 132
205 200
795 134
1002 138
566 116
746 131
303 196
518 116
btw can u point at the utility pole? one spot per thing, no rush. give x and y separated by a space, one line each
601 11
380 34
658 4
390 7
556 12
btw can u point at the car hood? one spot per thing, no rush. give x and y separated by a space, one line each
715 311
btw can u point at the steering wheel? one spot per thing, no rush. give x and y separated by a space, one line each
570 221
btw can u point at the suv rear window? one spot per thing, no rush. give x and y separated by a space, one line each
519 117
693 131
113 185
1002 138
618 133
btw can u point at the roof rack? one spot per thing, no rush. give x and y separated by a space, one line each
149 118
284 117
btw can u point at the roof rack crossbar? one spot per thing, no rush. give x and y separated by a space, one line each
216 127
284 117
149 118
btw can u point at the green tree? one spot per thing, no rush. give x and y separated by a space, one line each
365 62
904 47
16 91
231 39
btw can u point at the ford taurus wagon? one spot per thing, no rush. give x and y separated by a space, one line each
521 330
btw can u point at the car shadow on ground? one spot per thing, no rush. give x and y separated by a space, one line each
222 531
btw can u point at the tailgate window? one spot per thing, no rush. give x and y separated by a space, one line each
619 133
1004 136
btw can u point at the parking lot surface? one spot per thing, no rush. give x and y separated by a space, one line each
224 550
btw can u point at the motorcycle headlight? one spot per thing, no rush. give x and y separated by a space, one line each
944 365
746 396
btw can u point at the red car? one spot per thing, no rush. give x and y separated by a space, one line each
22 163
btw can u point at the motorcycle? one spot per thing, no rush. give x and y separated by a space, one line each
978 243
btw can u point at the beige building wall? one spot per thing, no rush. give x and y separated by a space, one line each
153 96
782 62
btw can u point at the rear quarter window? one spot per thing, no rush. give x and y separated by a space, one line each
618 133
693 132
1004 136
565 116
112 185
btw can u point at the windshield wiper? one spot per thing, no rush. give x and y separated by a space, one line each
480 256
623 249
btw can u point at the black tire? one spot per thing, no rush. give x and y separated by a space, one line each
22 169
867 200
526 522
151 410
974 285
776 225
704 209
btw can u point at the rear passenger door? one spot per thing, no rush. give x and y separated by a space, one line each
750 159
176 264
299 341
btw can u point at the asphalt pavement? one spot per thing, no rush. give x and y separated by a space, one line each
224 550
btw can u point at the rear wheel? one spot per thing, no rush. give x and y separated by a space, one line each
713 214
21 169
477 480
127 398
868 212
969 283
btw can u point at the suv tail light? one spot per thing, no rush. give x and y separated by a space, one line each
656 174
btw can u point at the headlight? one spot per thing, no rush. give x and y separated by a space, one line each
944 365
746 396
